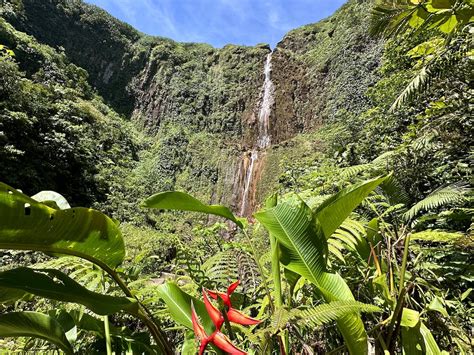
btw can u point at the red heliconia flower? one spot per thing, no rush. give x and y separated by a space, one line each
233 315
214 313
217 338
199 331
225 296
223 343
238 317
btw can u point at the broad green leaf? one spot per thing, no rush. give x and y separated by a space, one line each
449 25
303 235
8 295
380 284
332 212
442 4
372 230
137 343
304 251
437 305
179 306
291 278
54 284
418 18
181 201
412 341
417 335
189 344
410 318
67 323
426 48
26 224
35 325
431 347
466 294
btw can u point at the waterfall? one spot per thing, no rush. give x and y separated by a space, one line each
263 140
251 162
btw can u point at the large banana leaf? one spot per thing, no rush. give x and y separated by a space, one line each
54 284
333 211
36 325
181 201
26 224
303 235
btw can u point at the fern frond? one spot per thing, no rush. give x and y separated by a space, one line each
188 265
328 312
437 236
336 251
351 171
395 192
280 319
230 265
378 165
452 194
417 85
80 270
349 236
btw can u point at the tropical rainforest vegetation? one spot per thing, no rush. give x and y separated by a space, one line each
361 241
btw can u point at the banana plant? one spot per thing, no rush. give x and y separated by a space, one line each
302 235
28 224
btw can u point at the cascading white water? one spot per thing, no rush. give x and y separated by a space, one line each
263 138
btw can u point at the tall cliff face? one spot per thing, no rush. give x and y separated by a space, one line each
203 105
321 73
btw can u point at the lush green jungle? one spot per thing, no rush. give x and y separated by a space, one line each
159 197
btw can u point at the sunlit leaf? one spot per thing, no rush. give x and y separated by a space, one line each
35 325
54 284
181 201
26 224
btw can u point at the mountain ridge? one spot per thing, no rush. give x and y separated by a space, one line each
186 95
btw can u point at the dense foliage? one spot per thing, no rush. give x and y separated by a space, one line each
366 246
54 126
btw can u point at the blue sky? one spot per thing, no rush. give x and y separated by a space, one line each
219 22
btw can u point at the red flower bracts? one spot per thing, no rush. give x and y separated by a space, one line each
218 338
233 315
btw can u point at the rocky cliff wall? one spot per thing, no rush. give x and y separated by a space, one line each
201 104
